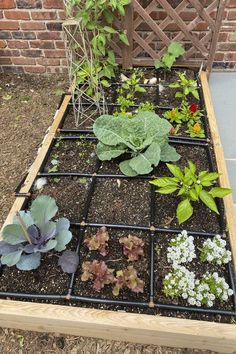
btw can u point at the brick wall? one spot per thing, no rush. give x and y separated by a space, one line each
31 36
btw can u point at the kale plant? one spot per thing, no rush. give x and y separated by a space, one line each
144 137
174 51
33 233
191 187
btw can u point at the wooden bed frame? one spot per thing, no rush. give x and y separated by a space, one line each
147 329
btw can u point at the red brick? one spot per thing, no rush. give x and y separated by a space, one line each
13 69
35 69
3 44
228 47
1 14
231 56
31 25
29 4
232 37
17 15
9 25
48 35
44 15
5 61
31 53
231 3
9 53
42 44
61 15
60 44
232 15
223 37
23 61
7 4
53 4
219 57
18 44
48 62
64 62
54 53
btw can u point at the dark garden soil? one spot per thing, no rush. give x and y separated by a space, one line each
28 104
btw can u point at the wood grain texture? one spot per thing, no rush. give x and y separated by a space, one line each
221 165
111 325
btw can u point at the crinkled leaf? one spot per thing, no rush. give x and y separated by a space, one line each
168 59
208 200
168 153
29 262
184 211
43 209
62 224
62 238
176 49
13 234
10 259
107 152
68 261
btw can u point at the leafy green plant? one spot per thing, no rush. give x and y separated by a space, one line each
174 51
98 242
186 86
185 114
128 89
196 131
132 247
144 137
33 233
191 187
146 106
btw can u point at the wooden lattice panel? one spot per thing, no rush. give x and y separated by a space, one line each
152 25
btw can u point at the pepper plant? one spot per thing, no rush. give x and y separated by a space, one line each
33 234
191 186
186 87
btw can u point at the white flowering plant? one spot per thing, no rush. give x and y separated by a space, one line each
214 251
181 283
181 249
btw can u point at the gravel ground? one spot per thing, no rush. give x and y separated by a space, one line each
27 106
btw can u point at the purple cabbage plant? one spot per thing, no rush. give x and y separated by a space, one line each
33 234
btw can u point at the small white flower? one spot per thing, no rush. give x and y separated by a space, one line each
54 162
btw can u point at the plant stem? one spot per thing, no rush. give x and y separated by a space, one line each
24 228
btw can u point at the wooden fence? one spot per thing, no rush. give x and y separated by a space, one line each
152 24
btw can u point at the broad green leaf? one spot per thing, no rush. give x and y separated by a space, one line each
62 224
62 238
142 163
124 38
10 259
211 176
50 245
158 64
168 59
167 190
178 95
26 217
13 234
184 211
198 188
168 153
220 192
29 262
175 170
176 49
208 200
43 209
192 167
165 181
193 194
109 29
195 94
126 169
106 152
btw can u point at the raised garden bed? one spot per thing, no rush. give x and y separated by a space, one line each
94 194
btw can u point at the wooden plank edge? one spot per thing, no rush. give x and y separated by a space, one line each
34 169
221 165
111 325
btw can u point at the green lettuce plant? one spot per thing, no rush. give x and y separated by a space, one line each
33 234
191 186
144 137
174 51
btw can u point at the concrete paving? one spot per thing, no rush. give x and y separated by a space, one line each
223 91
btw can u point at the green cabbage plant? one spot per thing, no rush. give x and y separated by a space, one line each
33 234
144 138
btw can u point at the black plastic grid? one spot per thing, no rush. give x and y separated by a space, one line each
151 229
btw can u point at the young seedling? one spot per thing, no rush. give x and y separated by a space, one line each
33 234
186 86
174 51
132 247
191 187
98 242
128 278
98 273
